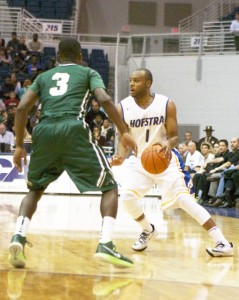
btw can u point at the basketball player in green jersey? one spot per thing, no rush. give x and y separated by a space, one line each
62 141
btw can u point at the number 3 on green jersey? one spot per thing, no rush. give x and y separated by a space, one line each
61 84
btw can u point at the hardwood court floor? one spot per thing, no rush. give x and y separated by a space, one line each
64 234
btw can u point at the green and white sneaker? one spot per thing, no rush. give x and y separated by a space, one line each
16 256
107 253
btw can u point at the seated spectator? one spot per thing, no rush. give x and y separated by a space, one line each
203 183
17 65
12 44
183 150
22 49
208 157
33 66
7 87
217 189
10 118
35 45
97 122
12 101
2 41
5 58
25 86
106 126
194 160
3 115
208 138
216 149
2 105
34 120
6 139
98 137
110 138
95 109
232 187
16 83
50 64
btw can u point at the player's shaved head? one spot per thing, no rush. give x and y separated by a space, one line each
69 48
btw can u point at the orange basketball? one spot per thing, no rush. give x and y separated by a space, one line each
153 159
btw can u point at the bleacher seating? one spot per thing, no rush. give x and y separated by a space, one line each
85 56
4 70
99 62
50 9
231 16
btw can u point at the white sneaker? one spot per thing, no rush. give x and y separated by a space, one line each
142 243
221 250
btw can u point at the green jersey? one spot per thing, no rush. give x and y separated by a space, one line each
63 90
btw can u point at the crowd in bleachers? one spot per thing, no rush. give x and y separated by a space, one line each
213 167
51 9
20 63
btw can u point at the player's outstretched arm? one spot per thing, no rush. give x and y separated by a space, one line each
171 127
126 139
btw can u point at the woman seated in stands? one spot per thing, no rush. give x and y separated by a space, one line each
5 58
98 137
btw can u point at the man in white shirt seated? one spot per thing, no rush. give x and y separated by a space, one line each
194 160
6 139
234 29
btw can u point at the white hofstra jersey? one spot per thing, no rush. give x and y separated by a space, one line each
147 126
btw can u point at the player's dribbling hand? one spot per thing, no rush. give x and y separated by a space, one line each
19 154
128 143
167 149
117 160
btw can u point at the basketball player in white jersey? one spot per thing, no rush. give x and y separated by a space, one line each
151 118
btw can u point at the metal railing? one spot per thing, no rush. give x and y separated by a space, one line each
21 21
214 12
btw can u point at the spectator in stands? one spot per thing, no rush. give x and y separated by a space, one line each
11 112
188 137
234 29
5 58
216 149
12 44
34 65
34 120
3 116
233 159
6 139
2 41
106 126
110 138
203 183
208 138
2 106
183 150
22 49
12 101
208 156
25 86
16 83
17 65
94 110
97 122
7 87
50 64
98 137
35 45
228 186
194 160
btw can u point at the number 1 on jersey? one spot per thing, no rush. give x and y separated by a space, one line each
147 135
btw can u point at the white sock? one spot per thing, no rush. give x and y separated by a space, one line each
22 225
217 235
107 229
145 225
